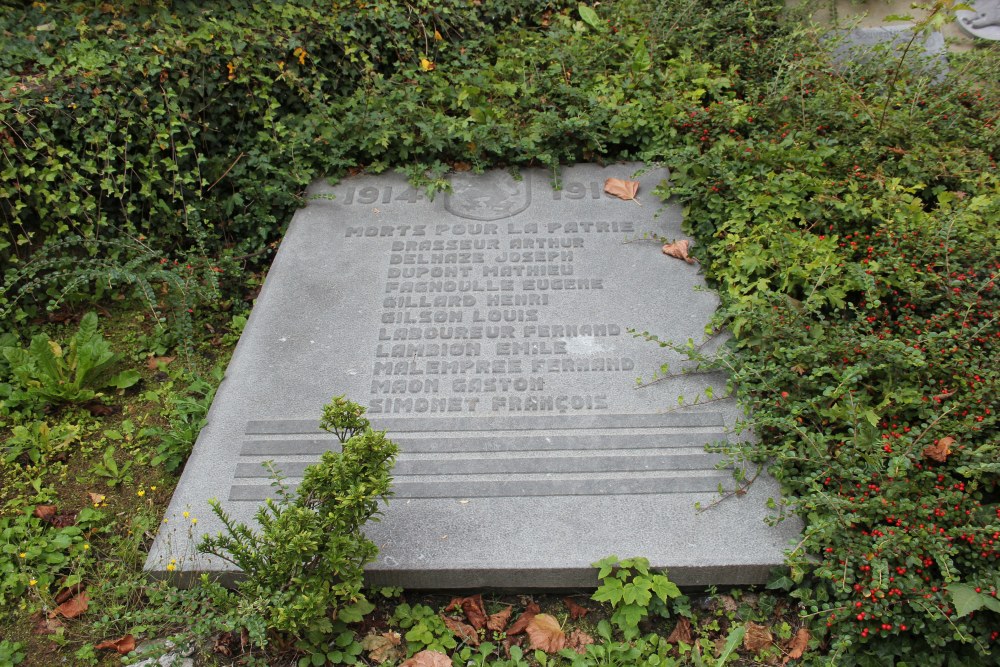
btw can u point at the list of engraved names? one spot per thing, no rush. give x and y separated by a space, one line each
469 317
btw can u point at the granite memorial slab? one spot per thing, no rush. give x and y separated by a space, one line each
489 332
928 52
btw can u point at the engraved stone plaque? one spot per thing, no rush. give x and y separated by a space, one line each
489 332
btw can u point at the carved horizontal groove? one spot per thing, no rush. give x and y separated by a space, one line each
686 437
497 465
692 482
499 422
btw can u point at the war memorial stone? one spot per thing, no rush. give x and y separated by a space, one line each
489 332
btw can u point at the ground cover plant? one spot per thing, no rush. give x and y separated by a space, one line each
846 214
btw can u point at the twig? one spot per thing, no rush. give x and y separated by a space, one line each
230 168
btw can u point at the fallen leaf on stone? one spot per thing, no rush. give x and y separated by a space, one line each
622 189
72 607
153 362
498 621
940 451
522 622
757 637
463 631
679 249
382 647
473 608
797 646
428 659
681 633
578 641
544 633
123 645
576 611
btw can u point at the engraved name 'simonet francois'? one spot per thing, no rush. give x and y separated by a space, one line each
464 321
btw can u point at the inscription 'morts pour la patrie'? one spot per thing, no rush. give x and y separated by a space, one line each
488 332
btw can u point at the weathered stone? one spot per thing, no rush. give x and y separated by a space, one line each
982 21
489 331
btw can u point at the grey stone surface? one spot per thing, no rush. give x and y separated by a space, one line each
488 332
982 21
862 44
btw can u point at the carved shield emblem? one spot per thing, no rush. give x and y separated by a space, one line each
487 197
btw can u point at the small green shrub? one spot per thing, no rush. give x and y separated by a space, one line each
48 373
303 569
424 629
633 591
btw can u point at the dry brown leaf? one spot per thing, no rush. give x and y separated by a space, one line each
729 603
679 249
575 611
498 621
96 498
511 641
382 647
622 189
757 637
940 450
578 641
66 593
72 607
797 646
44 625
473 608
45 512
123 645
681 633
522 622
98 409
428 659
544 633
153 362
461 166
463 631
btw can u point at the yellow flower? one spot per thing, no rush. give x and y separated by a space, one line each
171 567
86 547
32 582
23 555
140 493
437 36
152 488
194 522
426 65
187 514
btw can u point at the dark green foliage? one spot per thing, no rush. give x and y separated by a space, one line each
304 565
49 373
